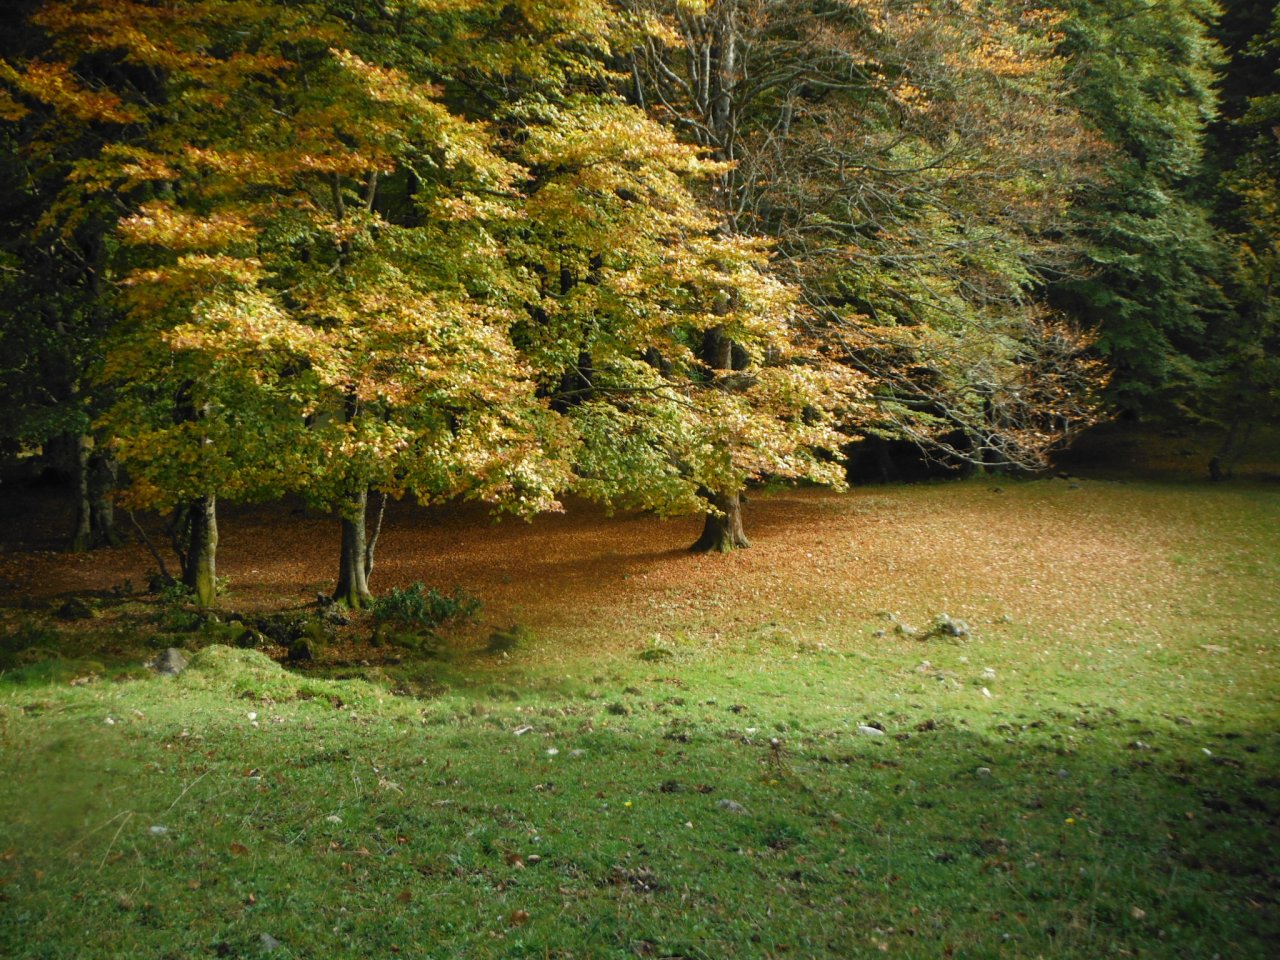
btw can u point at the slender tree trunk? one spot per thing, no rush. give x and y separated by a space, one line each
355 560
82 537
199 566
722 532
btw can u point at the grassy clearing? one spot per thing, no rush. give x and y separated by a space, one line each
1095 772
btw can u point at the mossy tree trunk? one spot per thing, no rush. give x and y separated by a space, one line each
356 561
199 565
103 476
82 537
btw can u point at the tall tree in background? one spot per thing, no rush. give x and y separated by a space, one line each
1145 75
1244 388
913 163
53 284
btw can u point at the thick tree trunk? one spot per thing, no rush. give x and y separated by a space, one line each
723 531
355 561
199 565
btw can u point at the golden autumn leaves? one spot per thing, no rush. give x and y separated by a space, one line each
342 266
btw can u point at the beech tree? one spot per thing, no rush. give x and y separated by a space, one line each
914 165
670 348
280 332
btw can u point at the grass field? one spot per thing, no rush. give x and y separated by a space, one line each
691 756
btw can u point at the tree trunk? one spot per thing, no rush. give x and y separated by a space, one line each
102 509
82 537
723 531
355 560
95 478
199 567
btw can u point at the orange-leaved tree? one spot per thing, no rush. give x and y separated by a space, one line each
668 346
286 329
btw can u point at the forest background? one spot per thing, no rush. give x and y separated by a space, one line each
642 252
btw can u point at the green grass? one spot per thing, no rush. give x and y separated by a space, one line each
1035 794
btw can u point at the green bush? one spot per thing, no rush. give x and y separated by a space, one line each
417 605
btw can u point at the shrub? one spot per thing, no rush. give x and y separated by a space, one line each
417 605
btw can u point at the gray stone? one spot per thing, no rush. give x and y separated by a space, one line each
731 805
170 663
869 731
336 615
945 626
269 943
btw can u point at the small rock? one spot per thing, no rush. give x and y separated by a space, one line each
521 731
1139 745
269 943
552 751
156 830
867 731
986 693
333 818
731 805
983 771
170 663
988 674
335 614
110 721
1063 774
577 752
945 626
